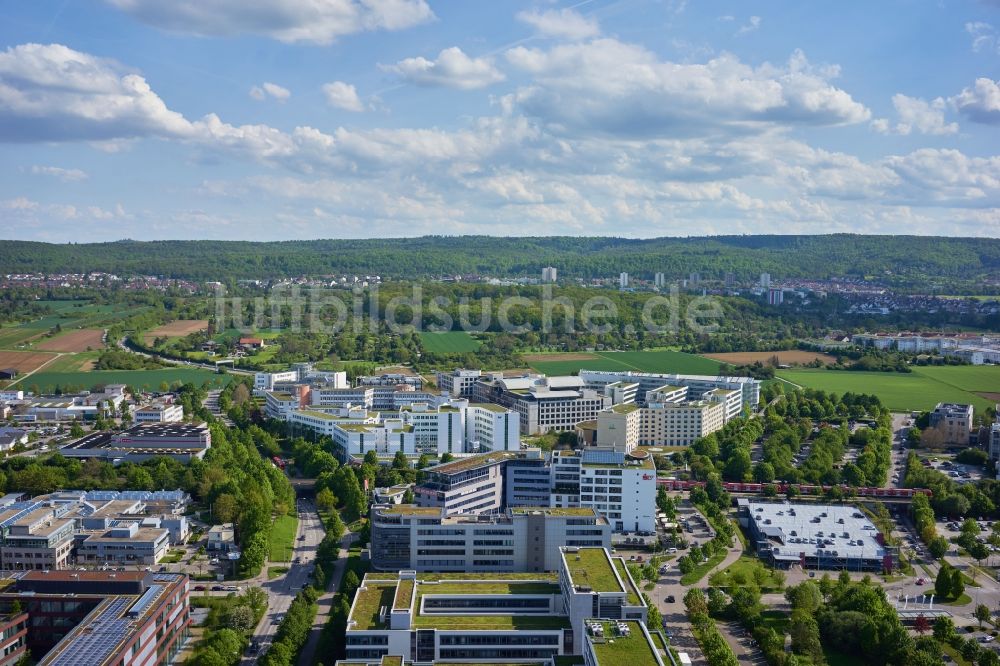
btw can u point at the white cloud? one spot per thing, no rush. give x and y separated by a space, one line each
981 102
53 93
916 115
342 96
560 24
984 36
272 90
451 69
646 96
309 21
65 175
751 26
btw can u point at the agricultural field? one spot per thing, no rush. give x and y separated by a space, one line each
178 329
790 357
642 361
11 336
921 389
452 342
76 340
24 361
143 379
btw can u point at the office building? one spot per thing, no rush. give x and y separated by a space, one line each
123 543
668 422
97 618
543 403
775 296
452 617
158 413
623 281
815 536
435 431
659 281
473 484
953 421
620 487
696 385
265 381
995 438
490 427
618 427
35 535
458 383
549 274
765 280
522 539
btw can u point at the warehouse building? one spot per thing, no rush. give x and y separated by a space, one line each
815 536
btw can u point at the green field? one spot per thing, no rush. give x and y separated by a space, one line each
282 541
11 336
453 342
642 361
148 379
921 389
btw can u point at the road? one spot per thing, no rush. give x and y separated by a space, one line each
282 590
898 466
123 344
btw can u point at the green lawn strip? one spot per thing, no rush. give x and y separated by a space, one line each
632 593
955 655
369 601
618 650
173 557
590 566
699 571
276 572
743 570
497 622
961 601
282 539
143 379
665 362
775 619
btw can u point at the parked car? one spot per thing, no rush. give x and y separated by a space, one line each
199 588
920 581
670 599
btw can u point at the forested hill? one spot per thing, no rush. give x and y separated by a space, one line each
925 261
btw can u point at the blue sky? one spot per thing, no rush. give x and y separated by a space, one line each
298 119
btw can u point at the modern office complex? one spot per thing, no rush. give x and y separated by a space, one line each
418 617
69 618
543 403
696 385
815 536
522 539
158 413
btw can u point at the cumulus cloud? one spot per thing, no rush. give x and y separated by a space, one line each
451 69
270 90
343 96
984 37
53 93
315 21
621 88
981 102
560 24
916 115
65 175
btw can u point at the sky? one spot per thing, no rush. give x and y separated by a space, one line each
302 119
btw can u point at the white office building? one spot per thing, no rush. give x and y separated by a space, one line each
620 487
549 274
696 385
522 539
158 413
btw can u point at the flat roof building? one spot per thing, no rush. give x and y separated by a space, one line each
522 539
815 536
180 441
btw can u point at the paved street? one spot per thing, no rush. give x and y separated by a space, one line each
281 591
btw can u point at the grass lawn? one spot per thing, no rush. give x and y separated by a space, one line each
702 569
173 557
955 655
451 342
921 389
72 362
961 601
148 379
742 571
282 538
275 572
775 619
662 361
